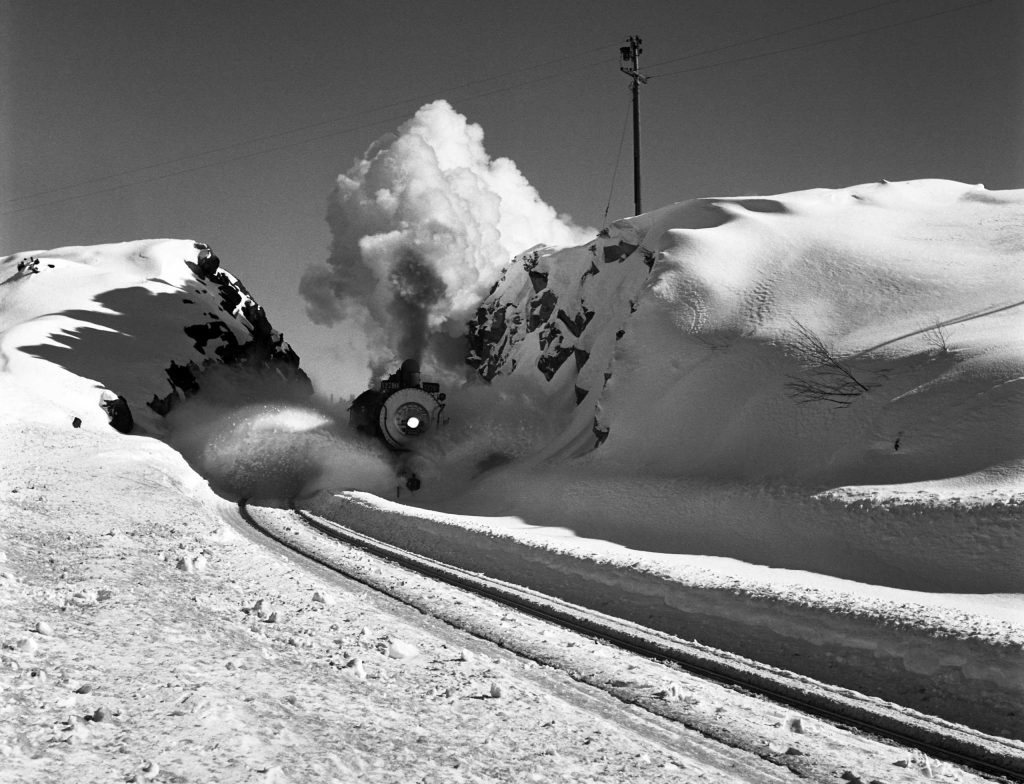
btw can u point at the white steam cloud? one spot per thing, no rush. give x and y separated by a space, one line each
422 227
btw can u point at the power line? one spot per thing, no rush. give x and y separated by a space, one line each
276 148
822 41
425 96
773 35
178 172
311 126
618 160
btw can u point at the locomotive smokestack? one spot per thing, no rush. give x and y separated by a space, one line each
410 373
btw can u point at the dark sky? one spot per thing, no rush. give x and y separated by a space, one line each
228 121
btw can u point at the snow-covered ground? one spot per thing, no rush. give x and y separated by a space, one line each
143 639
789 427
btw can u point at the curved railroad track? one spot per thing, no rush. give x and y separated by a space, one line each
944 740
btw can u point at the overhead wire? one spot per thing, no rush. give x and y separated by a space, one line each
406 101
256 153
298 129
775 34
618 160
822 41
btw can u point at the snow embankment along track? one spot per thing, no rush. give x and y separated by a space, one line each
928 653
935 736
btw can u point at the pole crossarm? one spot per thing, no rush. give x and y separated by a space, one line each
635 74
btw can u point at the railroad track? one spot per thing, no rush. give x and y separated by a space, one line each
936 737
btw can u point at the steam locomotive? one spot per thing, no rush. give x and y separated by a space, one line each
403 410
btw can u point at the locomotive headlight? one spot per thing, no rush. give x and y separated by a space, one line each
411 419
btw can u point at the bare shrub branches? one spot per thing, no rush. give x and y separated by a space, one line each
827 379
937 339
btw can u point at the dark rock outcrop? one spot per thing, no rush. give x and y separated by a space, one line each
237 335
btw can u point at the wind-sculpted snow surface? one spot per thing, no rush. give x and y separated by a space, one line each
826 380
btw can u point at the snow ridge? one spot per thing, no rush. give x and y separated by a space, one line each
146 320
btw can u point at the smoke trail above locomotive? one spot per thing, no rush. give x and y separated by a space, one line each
416 289
421 227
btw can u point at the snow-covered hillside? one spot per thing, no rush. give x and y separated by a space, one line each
869 334
828 380
142 320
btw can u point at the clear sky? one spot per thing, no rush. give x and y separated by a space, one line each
228 121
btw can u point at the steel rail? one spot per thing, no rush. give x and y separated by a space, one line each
934 736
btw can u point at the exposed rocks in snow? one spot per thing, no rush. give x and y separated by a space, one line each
322 597
355 665
399 649
224 534
674 691
98 715
238 335
147 771
551 305
27 645
119 414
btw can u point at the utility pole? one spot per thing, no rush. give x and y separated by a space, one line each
631 59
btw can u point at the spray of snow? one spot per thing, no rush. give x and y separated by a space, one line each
276 451
422 226
253 438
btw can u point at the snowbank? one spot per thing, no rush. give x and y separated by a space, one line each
952 655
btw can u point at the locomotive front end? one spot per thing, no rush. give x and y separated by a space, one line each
403 410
